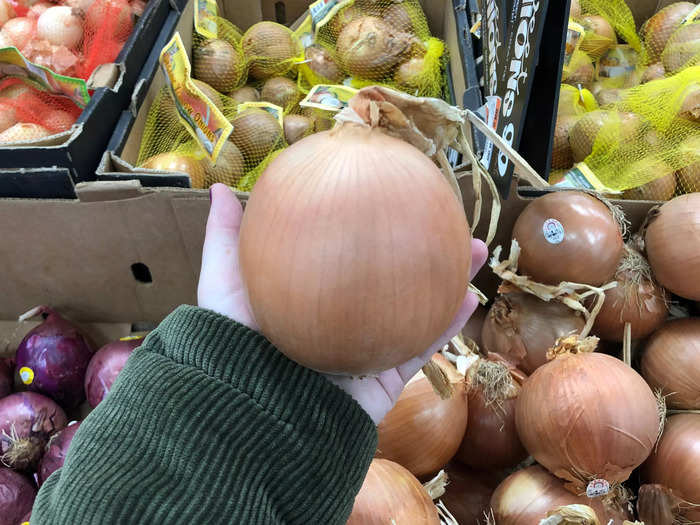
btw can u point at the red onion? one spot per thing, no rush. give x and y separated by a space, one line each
27 421
17 495
104 367
52 359
6 369
468 492
56 451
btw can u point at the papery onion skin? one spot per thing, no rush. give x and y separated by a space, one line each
422 432
472 330
672 241
675 462
587 414
468 492
390 492
56 450
584 247
521 328
17 495
525 497
671 363
105 366
368 265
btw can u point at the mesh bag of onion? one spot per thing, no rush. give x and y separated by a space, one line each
219 61
257 137
379 42
27 113
71 38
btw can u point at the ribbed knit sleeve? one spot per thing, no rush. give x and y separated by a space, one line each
208 423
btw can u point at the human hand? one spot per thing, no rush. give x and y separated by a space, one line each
221 290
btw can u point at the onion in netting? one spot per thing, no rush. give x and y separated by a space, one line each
296 127
690 103
256 133
682 48
181 163
526 496
674 465
653 72
110 19
689 174
468 492
661 188
56 450
671 363
606 97
22 132
19 31
52 359
138 7
229 166
281 91
61 26
390 493
398 16
27 421
219 64
17 493
342 18
209 92
422 432
245 94
672 243
636 300
599 35
562 158
409 75
104 368
57 120
659 28
587 415
360 271
568 236
6 11
574 9
583 74
604 125
7 369
270 48
369 47
8 116
491 440
321 62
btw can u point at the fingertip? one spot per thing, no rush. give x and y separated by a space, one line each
226 210
479 255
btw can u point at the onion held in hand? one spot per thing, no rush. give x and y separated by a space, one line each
587 414
568 236
672 243
104 368
52 359
521 328
56 451
671 363
367 264
674 464
391 493
17 495
422 432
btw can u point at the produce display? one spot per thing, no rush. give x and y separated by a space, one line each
629 108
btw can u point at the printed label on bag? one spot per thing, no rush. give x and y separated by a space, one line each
618 61
597 487
13 64
322 11
328 97
272 109
205 16
553 231
692 16
581 176
574 34
200 116
305 33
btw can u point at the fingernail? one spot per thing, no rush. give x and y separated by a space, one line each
210 195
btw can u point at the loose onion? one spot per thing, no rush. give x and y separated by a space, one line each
256 133
105 366
521 328
296 127
219 64
229 167
60 26
671 363
468 492
422 432
491 440
56 450
674 464
659 28
17 495
526 496
245 94
23 132
270 48
180 163
350 278
281 91
587 414
6 11
390 493
672 243
568 236
19 31
636 300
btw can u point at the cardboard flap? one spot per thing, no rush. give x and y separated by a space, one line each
109 190
106 76
57 139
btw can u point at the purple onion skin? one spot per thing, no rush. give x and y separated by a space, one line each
56 451
6 369
27 421
17 495
52 359
104 367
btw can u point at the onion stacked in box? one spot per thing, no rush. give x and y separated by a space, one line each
53 379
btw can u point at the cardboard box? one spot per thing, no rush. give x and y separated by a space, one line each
50 168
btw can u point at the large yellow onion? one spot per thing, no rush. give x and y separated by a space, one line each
391 494
587 415
354 251
674 465
422 432
526 496
568 236
521 328
673 246
671 363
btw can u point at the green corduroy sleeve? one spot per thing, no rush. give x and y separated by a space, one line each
208 423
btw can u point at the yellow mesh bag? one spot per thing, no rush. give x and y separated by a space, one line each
580 70
682 49
220 61
645 139
618 15
271 50
657 31
575 101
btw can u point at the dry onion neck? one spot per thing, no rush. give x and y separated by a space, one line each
436 486
571 345
575 514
